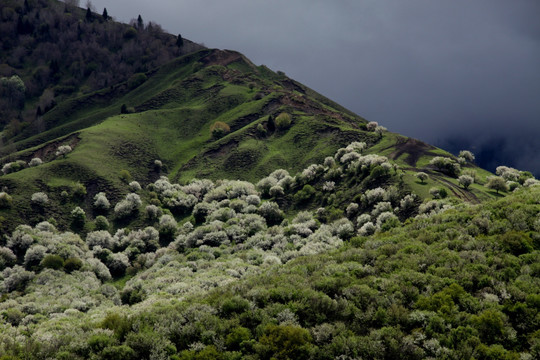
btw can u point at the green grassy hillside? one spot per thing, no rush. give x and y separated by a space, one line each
168 117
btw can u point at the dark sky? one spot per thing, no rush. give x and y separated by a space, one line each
455 73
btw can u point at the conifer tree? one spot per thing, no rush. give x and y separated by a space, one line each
179 41
89 15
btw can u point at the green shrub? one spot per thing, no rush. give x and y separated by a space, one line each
122 352
236 337
5 200
78 217
125 176
79 190
305 194
219 129
261 130
64 195
130 33
516 243
132 296
136 80
120 324
102 223
283 121
234 305
284 342
52 262
72 264
98 342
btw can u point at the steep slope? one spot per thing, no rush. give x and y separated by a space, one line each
169 116
54 51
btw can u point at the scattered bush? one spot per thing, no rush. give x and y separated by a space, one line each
101 222
372 125
78 217
16 278
5 200
283 121
101 202
100 238
33 256
152 212
438 193
422 176
13 167
167 227
261 130
79 190
7 258
445 165
128 206
496 183
35 162
40 198
467 155
466 181
305 194
125 176
134 186
136 80
63 150
508 173
219 129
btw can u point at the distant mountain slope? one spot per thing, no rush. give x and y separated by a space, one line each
169 116
60 51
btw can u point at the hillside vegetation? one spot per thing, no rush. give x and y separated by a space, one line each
210 114
54 51
167 201
231 270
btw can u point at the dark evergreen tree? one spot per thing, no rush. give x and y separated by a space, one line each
105 14
140 23
89 15
179 41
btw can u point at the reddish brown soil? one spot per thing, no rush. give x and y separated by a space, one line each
47 151
223 58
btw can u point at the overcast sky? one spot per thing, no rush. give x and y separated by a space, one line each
455 73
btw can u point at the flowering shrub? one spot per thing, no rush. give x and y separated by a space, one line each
128 206
101 202
40 198
35 162
63 150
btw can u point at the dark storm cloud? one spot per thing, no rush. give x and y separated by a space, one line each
452 72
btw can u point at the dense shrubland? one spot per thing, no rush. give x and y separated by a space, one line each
337 260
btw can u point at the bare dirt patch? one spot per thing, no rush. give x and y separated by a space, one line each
223 58
47 152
